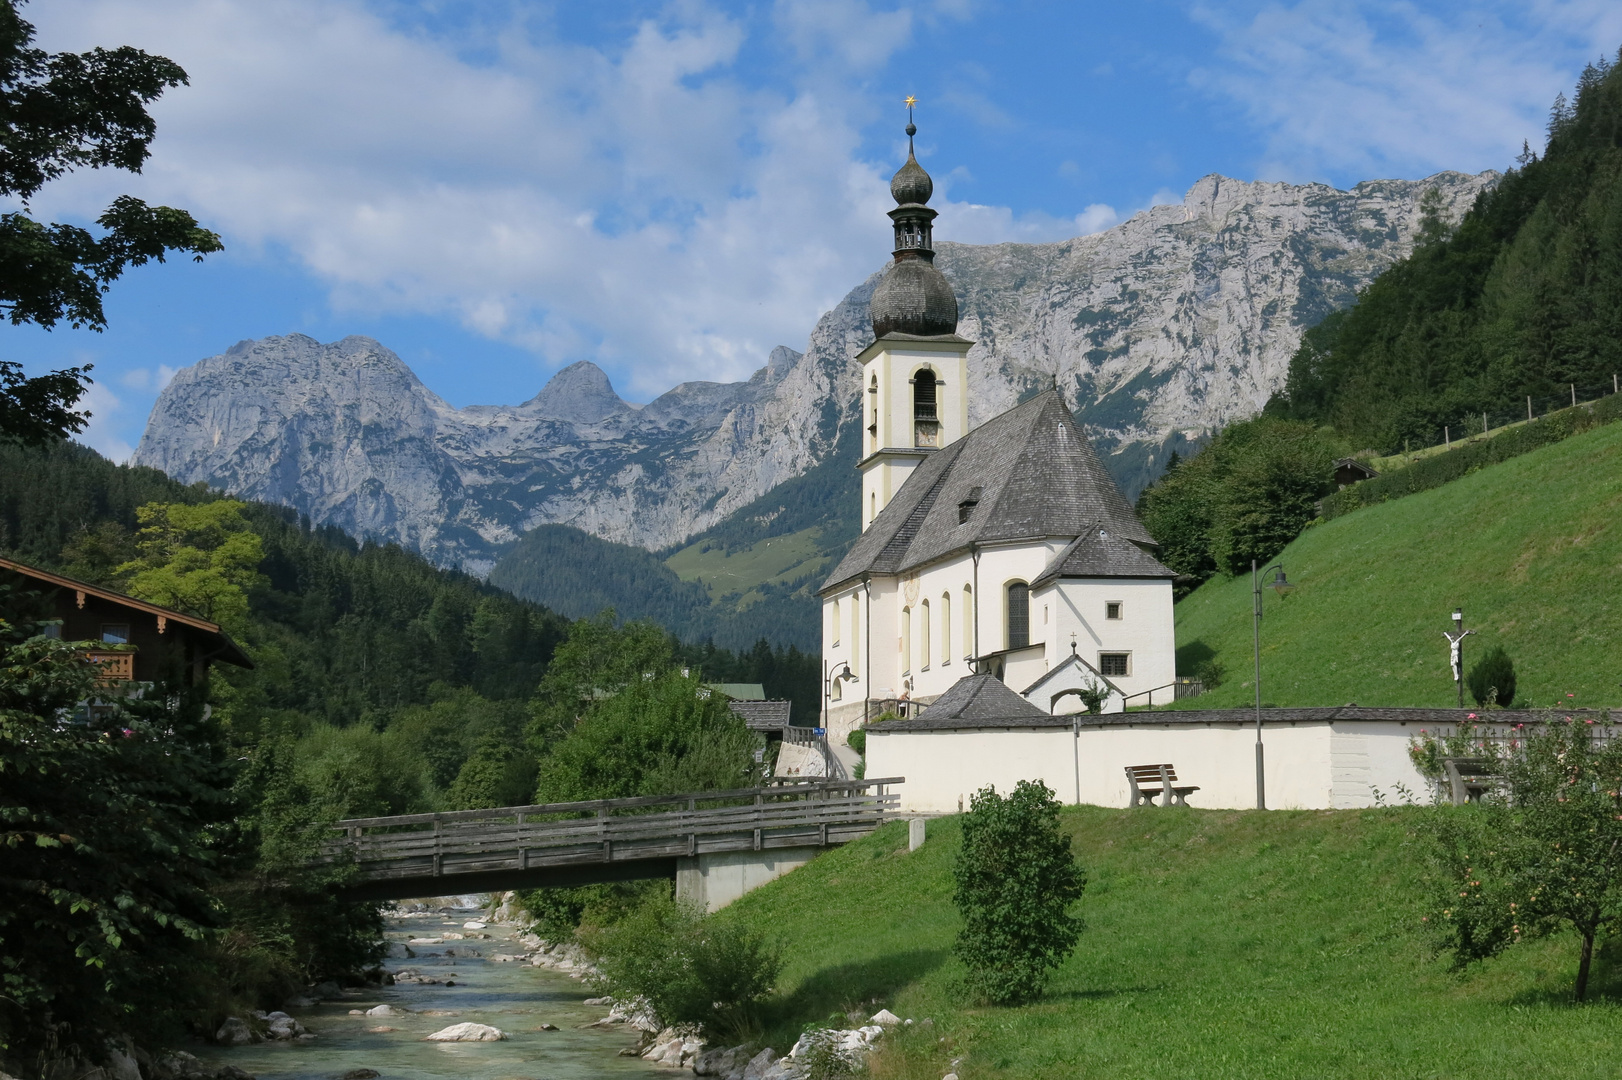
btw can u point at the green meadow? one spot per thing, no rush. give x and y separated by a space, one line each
1531 548
1220 944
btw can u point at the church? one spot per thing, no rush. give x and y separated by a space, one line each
1002 551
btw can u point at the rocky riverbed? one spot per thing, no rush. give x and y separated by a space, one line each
454 974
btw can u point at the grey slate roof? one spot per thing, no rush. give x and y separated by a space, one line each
1039 477
1416 718
974 701
762 715
1096 553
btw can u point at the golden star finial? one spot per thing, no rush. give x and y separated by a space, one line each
911 101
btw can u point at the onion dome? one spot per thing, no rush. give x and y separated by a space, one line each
911 184
914 297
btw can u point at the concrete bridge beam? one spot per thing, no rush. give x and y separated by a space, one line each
715 880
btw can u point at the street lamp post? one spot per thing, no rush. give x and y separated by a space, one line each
829 677
1281 586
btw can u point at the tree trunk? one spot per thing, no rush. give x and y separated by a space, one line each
1583 965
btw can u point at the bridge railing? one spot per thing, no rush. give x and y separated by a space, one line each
805 813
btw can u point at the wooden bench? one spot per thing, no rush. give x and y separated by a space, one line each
1468 778
1147 781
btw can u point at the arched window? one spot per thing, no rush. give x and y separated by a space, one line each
946 628
856 633
906 641
1019 615
872 506
968 622
925 416
923 636
873 406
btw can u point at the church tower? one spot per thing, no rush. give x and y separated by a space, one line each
915 374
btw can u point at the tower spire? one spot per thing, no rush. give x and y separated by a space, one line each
914 298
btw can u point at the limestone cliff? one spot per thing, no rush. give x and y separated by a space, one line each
1158 330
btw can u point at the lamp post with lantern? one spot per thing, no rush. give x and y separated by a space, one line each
1282 586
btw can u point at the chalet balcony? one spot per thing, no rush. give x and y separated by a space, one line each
115 665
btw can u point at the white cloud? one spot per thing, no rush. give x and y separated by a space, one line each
637 205
151 380
102 433
1364 88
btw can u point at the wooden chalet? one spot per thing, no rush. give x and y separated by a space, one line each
136 641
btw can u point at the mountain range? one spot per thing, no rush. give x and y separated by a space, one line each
1159 331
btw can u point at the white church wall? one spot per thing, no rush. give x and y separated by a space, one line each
1145 632
1308 765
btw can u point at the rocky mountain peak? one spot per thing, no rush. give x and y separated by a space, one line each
1159 331
580 392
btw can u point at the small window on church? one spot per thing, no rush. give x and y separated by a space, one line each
1019 615
1115 664
965 509
1112 609
835 624
925 417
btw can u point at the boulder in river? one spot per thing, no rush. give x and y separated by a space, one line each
234 1032
468 1032
384 1010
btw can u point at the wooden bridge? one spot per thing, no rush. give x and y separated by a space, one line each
581 843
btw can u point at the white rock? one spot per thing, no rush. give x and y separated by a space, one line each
384 1010
474 925
468 1032
425 941
756 1069
121 1066
598 1001
234 1032
884 1018
502 958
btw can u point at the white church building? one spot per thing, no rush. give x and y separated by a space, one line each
1002 583
1004 549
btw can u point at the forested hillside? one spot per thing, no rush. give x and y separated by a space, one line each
1522 297
752 576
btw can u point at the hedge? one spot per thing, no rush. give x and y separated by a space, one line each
1435 471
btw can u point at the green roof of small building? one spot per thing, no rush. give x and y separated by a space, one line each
740 691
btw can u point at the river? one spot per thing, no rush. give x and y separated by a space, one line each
514 997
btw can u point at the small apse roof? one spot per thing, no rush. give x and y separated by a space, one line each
1096 553
975 700
1038 476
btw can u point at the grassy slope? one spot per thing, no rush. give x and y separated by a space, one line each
1531 548
1219 944
780 559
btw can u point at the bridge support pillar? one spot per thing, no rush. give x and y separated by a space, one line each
715 880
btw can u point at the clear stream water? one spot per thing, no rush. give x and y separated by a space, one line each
514 997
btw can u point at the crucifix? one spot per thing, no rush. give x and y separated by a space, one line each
1455 641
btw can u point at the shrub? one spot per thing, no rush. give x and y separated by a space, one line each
692 968
1541 857
1493 677
857 741
1016 881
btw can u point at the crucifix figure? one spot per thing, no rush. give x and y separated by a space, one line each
1455 641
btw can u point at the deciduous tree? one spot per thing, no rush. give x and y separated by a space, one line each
1016 882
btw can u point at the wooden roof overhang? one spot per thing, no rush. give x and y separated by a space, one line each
229 651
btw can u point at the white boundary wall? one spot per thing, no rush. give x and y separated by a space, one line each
1311 765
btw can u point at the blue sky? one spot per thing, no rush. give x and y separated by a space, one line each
496 190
